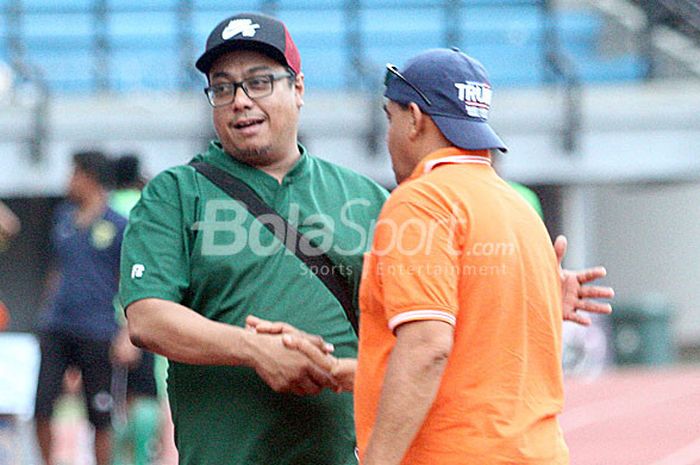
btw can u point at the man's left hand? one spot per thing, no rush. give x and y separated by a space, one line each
576 295
123 352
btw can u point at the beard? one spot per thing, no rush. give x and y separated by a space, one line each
255 157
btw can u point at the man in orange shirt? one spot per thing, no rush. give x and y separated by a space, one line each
460 341
461 295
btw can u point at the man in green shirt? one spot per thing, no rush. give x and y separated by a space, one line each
195 264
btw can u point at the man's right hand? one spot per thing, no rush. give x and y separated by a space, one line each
258 325
288 370
314 347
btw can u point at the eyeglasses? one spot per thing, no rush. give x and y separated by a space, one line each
254 87
392 71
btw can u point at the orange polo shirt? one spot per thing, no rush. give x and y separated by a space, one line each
455 243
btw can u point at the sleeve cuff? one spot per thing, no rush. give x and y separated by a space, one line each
415 315
125 302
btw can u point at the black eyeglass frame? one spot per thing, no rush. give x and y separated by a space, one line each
244 84
393 71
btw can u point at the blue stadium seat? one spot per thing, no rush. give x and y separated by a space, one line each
3 30
146 69
379 56
594 68
500 15
203 23
126 29
285 5
224 9
505 35
510 67
66 70
50 27
391 24
83 5
324 69
161 5
330 22
579 29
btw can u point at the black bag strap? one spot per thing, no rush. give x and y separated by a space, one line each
316 259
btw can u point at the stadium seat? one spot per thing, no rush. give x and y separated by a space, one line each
507 36
68 70
146 69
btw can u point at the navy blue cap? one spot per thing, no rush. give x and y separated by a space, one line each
454 90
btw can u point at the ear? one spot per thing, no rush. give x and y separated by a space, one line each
299 89
418 121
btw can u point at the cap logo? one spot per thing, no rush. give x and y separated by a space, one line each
245 27
476 97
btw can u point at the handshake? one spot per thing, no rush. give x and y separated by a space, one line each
290 360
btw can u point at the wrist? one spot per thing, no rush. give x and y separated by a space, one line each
344 372
245 350
253 348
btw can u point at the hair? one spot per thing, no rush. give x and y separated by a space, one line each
95 164
293 76
127 172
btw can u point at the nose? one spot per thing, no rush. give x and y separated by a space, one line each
241 101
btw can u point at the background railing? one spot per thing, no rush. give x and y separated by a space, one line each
680 15
97 46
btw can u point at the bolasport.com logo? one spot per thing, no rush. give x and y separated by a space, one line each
227 230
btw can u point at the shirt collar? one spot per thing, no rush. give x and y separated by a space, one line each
218 155
450 155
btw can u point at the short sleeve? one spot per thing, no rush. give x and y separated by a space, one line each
417 261
154 256
60 218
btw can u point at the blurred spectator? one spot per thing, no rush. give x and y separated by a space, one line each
6 79
137 409
4 316
9 224
529 195
128 181
79 325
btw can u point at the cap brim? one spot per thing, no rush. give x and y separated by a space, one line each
469 135
208 58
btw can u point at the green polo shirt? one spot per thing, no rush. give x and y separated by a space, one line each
188 242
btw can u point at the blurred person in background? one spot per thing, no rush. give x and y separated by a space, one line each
9 223
9 227
128 183
139 376
4 316
78 325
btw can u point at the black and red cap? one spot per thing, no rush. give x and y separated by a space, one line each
251 31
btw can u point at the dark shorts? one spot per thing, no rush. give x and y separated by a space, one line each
58 352
141 380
